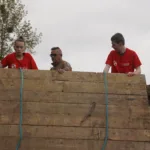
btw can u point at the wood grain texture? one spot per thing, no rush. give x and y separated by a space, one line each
71 109
55 104
40 119
32 85
79 133
63 114
85 87
71 76
8 143
73 87
74 98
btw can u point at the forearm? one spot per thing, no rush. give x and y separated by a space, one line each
138 70
106 69
67 69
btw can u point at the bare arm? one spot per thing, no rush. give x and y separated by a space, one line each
137 71
106 69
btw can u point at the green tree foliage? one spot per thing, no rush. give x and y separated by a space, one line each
13 25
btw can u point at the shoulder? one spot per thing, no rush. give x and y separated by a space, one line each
28 55
130 51
112 52
66 63
67 66
9 56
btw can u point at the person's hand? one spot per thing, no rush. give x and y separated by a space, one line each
61 70
130 74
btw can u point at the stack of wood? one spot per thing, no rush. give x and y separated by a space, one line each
67 111
148 92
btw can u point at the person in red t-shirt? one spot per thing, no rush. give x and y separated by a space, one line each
122 59
19 59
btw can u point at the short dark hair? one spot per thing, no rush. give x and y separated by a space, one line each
55 48
118 38
20 39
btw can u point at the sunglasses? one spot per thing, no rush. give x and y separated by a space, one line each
53 55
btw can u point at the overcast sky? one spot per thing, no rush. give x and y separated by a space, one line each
83 28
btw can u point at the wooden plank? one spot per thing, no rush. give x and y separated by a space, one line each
97 77
57 108
61 114
27 74
8 143
147 145
76 133
85 87
148 93
36 85
76 87
119 122
71 109
148 89
71 76
73 98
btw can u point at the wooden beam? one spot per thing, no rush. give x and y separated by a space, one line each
41 119
71 76
71 109
76 133
74 98
85 87
32 85
8 143
75 87
98 77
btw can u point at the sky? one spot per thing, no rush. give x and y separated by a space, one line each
83 28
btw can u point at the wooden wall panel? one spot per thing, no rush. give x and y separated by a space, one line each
74 98
55 104
71 76
76 133
39 119
8 143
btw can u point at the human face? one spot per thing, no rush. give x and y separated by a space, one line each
117 46
55 56
19 48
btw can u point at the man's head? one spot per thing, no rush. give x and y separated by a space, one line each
19 46
118 42
56 54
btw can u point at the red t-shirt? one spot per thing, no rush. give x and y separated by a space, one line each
123 63
12 62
